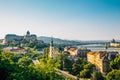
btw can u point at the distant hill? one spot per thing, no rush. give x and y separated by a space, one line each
58 41
72 42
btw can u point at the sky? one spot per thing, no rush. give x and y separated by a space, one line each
66 19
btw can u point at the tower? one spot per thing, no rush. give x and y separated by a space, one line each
51 49
106 47
28 33
51 43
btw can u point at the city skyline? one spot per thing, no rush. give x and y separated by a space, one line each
66 19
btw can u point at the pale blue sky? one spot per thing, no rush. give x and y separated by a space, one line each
66 19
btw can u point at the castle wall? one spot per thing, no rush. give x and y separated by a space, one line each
15 38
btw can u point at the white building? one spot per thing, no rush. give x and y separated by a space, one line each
113 43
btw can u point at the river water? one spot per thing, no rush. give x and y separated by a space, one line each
99 47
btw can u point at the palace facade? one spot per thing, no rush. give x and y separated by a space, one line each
16 39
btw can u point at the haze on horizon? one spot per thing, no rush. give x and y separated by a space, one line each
66 19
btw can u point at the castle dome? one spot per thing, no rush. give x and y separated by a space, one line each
28 33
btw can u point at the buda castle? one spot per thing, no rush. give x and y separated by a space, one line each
16 38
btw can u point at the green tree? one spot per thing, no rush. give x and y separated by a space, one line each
115 64
1 49
113 75
24 61
60 59
85 73
67 65
97 76
20 67
76 68
89 66
7 65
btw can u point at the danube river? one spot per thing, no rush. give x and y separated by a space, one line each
99 47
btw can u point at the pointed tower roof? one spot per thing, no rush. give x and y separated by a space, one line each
51 43
106 47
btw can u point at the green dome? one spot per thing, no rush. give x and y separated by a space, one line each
28 32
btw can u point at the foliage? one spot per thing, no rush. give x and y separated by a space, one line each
85 73
76 68
64 62
38 46
24 61
20 67
67 64
115 64
113 75
35 45
89 66
81 65
97 76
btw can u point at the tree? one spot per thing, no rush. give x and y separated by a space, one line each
85 73
113 75
89 66
76 68
19 67
24 61
7 56
7 65
60 59
5 69
67 65
0 48
115 64
97 76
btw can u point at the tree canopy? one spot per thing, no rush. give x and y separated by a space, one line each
20 67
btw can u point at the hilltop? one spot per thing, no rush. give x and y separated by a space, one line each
71 42
58 40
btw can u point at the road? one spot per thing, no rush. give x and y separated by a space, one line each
66 74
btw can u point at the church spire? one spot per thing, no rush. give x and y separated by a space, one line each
106 47
51 43
51 48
